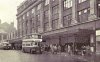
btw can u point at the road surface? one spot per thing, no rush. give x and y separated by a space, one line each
18 56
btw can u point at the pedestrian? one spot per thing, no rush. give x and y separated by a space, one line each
69 49
52 49
59 48
48 48
55 49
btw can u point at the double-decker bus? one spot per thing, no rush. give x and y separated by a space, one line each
32 45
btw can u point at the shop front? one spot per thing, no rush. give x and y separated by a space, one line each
16 44
73 42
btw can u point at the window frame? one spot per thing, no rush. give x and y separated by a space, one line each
67 4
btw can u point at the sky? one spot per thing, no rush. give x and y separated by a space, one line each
8 10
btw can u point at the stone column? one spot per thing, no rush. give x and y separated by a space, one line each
93 10
93 46
93 43
23 28
41 18
60 23
74 12
50 15
29 26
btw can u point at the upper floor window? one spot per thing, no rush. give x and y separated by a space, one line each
86 10
46 14
39 7
46 26
27 13
23 16
67 4
46 2
55 9
79 13
83 15
99 4
38 20
83 11
80 1
67 20
55 24
33 10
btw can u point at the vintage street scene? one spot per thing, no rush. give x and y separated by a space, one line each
50 31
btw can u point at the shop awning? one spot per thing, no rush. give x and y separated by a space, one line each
78 35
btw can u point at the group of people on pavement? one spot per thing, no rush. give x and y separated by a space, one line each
54 48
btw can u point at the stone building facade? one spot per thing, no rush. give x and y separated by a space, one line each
65 22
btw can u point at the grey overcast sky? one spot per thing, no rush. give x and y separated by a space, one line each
8 10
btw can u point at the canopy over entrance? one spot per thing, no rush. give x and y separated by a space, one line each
78 35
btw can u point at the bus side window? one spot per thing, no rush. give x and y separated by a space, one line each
36 43
39 37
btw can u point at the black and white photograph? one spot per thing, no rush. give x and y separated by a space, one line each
49 30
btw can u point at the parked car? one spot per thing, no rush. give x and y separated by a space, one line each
5 45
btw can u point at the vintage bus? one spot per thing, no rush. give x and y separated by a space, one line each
31 45
5 45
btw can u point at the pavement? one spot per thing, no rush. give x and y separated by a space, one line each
19 56
85 58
